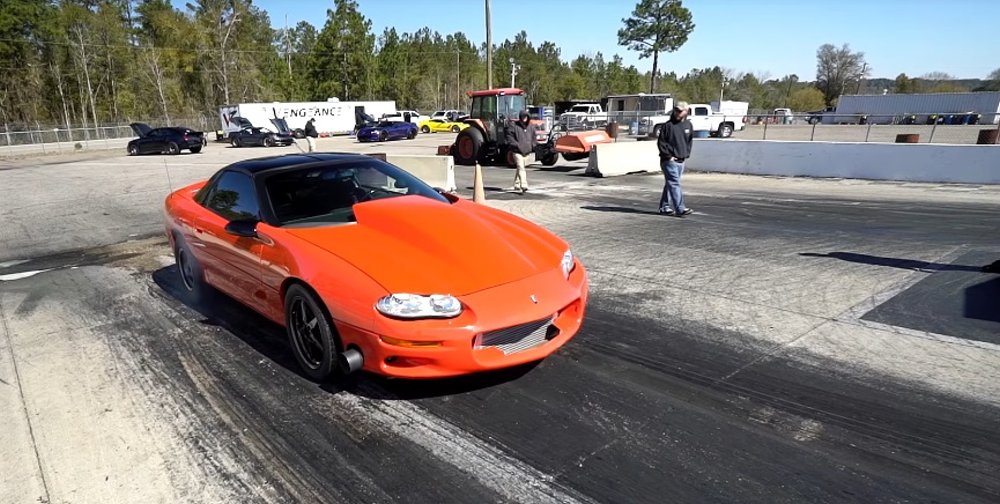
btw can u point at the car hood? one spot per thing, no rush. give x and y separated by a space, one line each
140 129
418 245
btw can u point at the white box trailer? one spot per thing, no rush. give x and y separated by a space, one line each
888 108
332 117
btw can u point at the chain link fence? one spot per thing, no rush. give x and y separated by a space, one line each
39 139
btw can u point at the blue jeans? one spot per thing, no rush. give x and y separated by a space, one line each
672 197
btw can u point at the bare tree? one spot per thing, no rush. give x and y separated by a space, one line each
836 67
656 26
83 59
937 76
154 73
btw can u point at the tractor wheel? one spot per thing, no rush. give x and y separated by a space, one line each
550 158
468 146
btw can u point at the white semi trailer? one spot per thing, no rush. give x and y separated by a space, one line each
332 117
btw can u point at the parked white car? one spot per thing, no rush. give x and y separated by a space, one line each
400 116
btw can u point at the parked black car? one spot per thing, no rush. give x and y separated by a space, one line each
250 135
168 140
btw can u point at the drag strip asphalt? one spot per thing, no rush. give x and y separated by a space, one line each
760 350
631 411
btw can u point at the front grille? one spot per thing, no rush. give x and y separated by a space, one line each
519 337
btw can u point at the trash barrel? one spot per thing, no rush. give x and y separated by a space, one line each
907 138
987 136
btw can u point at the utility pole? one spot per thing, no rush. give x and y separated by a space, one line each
458 79
864 68
288 48
489 47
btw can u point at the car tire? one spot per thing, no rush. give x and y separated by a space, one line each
468 146
173 149
412 134
550 158
425 129
268 142
133 150
195 150
191 275
235 142
725 131
311 333
656 130
456 129
382 136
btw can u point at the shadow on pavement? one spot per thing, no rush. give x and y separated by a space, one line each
982 301
270 340
617 209
893 262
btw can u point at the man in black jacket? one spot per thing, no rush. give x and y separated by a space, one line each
674 143
311 134
521 141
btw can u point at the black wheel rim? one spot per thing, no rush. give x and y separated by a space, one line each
304 327
186 270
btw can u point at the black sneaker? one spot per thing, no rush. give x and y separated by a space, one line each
686 211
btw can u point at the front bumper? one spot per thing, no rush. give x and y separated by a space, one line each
500 327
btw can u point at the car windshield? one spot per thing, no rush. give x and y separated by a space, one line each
320 195
580 108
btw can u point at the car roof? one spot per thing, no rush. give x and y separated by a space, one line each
258 165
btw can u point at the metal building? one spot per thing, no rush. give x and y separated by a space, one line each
897 108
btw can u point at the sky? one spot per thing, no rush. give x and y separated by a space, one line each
772 38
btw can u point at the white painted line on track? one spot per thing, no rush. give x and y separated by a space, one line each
24 274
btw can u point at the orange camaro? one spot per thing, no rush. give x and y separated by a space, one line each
369 268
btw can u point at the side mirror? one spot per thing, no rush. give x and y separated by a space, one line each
242 228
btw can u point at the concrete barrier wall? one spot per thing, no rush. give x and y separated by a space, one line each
619 158
970 164
437 171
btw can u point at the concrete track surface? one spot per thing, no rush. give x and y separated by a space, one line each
794 340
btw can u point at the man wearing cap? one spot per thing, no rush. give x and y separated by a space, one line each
521 140
674 143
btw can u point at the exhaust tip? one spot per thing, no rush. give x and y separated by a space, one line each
350 361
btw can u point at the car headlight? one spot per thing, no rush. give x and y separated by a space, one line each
567 263
412 306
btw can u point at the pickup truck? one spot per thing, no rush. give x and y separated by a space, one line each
704 118
584 116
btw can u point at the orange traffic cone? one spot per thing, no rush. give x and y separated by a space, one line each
478 194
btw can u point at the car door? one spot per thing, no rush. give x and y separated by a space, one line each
232 263
152 142
701 119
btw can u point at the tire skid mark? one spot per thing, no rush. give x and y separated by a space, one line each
493 466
